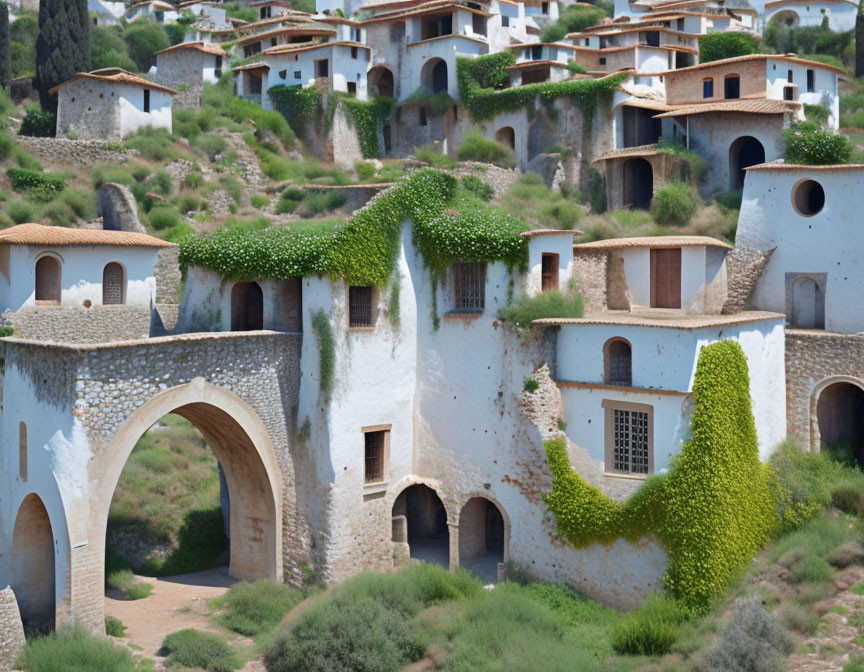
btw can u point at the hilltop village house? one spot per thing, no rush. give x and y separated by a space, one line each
109 104
186 67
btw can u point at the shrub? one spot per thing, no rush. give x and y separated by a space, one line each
802 484
254 608
284 207
753 641
365 170
20 211
7 145
814 147
858 588
161 183
154 144
204 650
546 304
651 629
431 153
565 213
108 172
475 147
849 499
176 233
717 46
114 627
163 217
143 40
212 144
194 180
674 204
531 386
729 199
846 555
82 202
573 19
798 618
854 664
478 187
233 187
73 648
259 201
812 569
319 203
38 124
22 179
597 191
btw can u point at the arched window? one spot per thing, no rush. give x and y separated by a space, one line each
247 307
48 280
618 362
113 285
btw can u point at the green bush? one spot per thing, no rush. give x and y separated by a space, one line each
74 649
573 19
803 484
109 172
255 608
22 179
365 170
597 192
108 50
161 183
7 145
730 199
431 153
21 211
154 144
651 629
163 217
38 124
546 304
674 205
143 40
720 45
812 569
259 201
318 203
810 146
194 180
475 147
478 187
114 627
204 650
212 144
531 386
566 214
138 591
82 203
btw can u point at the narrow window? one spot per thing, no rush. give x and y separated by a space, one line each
469 287
708 87
218 72
273 42
48 286
536 53
359 306
322 68
789 76
618 362
732 85
352 89
247 307
549 272
375 455
788 93
505 21
22 450
811 81
146 100
113 286
296 74
629 438
353 52
423 120
544 7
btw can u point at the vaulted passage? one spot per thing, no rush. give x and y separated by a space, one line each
247 307
743 153
426 521
638 179
481 538
33 579
840 411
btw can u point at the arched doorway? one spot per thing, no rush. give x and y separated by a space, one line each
48 280
428 534
433 76
638 183
380 81
743 153
482 538
840 413
113 284
247 307
240 443
786 18
32 570
506 136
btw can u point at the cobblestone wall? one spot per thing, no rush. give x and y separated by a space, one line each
77 152
11 630
811 358
589 274
744 265
168 275
100 324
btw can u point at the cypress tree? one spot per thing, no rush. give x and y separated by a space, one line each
859 42
63 46
5 58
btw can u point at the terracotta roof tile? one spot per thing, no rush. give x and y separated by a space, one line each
58 236
751 106
792 58
669 319
117 76
795 166
533 233
652 242
641 150
206 47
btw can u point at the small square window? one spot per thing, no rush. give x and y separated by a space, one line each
283 74
352 89
297 74
602 61
376 444
359 306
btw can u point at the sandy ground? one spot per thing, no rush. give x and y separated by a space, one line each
177 602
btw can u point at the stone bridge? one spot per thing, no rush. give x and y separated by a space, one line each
70 418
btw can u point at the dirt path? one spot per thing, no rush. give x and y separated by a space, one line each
176 603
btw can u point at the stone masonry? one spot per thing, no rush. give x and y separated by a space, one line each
589 274
99 324
11 630
744 265
76 152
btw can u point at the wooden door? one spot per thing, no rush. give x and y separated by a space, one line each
666 278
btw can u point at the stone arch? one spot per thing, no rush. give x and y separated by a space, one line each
426 523
241 444
506 135
33 577
638 183
618 362
380 79
434 75
484 535
744 152
786 18
49 277
247 307
837 414
113 284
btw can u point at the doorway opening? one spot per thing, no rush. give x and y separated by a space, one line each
426 521
481 538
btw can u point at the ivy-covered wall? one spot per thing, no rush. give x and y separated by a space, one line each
713 511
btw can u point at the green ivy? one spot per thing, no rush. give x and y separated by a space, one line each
448 227
300 106
712 512
326 351
478 79
393 307
366 117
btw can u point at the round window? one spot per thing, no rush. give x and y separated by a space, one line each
808 197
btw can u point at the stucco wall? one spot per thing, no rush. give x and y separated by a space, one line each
88 109
100 324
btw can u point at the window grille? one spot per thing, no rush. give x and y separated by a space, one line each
359 306
469 287
619 364
374 456
112 284
631 445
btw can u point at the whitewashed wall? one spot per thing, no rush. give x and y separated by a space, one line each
132 114
825 91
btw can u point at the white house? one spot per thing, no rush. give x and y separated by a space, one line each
802 13
109 104
55 266
152 10
187 67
